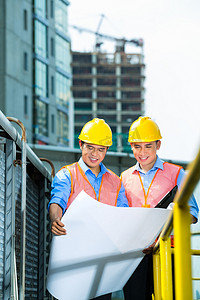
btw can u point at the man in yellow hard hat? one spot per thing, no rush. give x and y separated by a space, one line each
145 184
88 174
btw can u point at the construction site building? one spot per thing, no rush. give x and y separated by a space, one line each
108 86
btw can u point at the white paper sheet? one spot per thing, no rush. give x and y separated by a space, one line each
102 248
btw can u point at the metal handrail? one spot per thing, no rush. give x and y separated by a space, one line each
31 156
23 208
182 196
180 216
51 164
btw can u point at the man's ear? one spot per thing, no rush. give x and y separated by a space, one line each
158 144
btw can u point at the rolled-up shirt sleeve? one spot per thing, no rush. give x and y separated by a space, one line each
194 209
61 189
122 200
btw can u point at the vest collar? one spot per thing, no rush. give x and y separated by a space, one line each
85 168
158 165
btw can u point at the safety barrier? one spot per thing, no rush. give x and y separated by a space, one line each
25 236
180 221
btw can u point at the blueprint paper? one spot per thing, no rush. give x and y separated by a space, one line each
102 248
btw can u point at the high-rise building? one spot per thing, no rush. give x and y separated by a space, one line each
35 74
108 86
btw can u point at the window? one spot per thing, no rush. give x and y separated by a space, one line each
129 118
25 105
62 90
108 118
41 8
41 118
125 143
25 20
52 85
125 130
52 123
51 9
130 82
62 54
105 70
105 58
82 94
40 39
131 106
131 70
106 94
25 61
52 47
106 81
86 58
114 129
77 130
41 79
82 82
83 118
129 95
83 106
106 105
62 128
61 16
82 70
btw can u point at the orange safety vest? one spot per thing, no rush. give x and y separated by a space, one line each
163 181
109 189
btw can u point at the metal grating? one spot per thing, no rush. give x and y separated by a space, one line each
32 234
2 206
13 263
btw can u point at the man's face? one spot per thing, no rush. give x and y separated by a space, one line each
145 153
92 155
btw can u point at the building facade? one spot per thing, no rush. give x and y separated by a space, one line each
35 74
108 86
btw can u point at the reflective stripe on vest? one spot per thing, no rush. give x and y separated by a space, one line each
163 181
109 189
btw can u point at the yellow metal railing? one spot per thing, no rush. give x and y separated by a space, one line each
180 220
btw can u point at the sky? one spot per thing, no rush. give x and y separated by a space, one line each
171 33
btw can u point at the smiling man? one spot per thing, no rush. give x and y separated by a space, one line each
88 174
145 184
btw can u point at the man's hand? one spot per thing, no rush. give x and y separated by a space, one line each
57 227
149 249
55 214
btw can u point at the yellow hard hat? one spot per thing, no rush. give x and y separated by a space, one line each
144 129
96 132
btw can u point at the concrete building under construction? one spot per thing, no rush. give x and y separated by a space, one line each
109 86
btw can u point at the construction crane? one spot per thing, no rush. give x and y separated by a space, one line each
120 41
98 42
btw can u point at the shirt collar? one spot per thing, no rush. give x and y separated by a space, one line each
85 168
158 165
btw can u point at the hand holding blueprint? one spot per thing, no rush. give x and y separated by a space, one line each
102 248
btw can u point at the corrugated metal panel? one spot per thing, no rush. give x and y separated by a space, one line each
2 205
32 242
32 234
37 244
